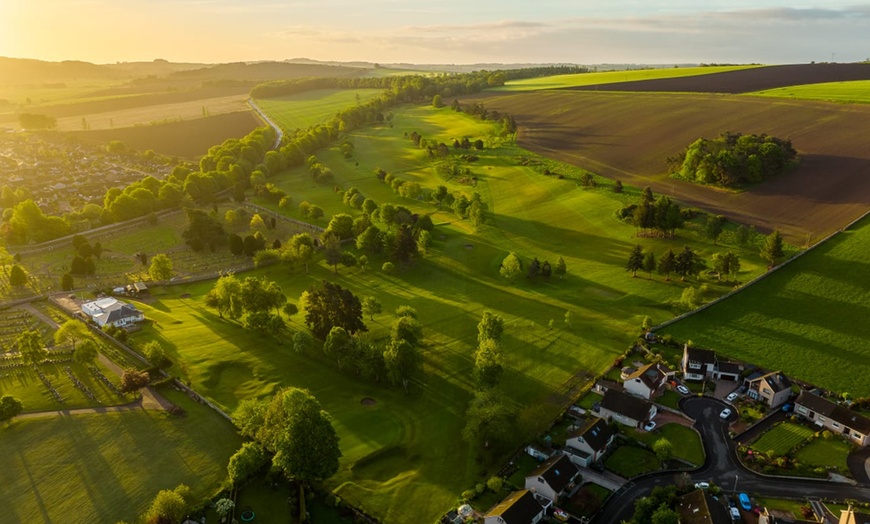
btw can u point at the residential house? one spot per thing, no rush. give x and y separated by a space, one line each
589 443
837 418
771 388
700 364
520 507
699 507
626 409
648 381
604 384
850 516
726 370
553 477
106 311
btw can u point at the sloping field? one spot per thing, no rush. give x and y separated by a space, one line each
856 91
188 138
302 110
808 319
629 137
609 77
747 80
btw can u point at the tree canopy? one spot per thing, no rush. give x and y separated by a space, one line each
331 305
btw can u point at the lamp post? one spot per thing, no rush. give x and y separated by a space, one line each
735 483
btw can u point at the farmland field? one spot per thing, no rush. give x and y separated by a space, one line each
815 307
628 136
107 467
782 438
857 91
609 77
313 107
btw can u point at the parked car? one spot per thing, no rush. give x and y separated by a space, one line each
788 407
724 415
683 389
561 515
744 502
735 514
732 396
577 410
702 485
597 466
649 426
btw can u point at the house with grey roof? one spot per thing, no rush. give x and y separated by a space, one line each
553 477
520 507
834 417
590 442
626 409
772 388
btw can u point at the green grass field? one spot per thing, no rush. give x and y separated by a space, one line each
821 452
313 107
855 92
815 307
629 461
782 438
686 441
609 77
108 467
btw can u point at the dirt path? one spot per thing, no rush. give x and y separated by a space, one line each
137 404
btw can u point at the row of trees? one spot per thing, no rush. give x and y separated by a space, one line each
685 263
653 216
512 267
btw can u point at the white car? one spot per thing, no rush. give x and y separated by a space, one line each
683 389
702 485
732 396
725 413
651 425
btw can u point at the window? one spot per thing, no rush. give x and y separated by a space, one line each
802 410
836 426
821 418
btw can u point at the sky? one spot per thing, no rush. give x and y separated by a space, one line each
441 31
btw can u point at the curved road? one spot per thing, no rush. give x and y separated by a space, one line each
722 468
265 117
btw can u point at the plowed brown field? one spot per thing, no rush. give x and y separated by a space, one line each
628 136
744 80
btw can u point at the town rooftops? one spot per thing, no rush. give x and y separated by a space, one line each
595 432
625 404
698 507
556 471
835 412
520 507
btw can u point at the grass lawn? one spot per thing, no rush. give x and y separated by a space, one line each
630 461
108 467
686 441
814 307
303 110
268 503
587 500
781 504
857 91
323 513
525 464
588 400
609 77
781 438
822 452
670 399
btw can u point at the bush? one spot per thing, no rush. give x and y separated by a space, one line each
469 495
495 484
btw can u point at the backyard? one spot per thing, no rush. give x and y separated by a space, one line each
782 438
630 461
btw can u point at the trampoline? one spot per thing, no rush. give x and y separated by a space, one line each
247 515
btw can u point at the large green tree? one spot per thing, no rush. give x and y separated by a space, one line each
10 407
331 305
402 361
161 268
511 267
772 250
72 331
249 459
488 367
31 347
490 327
635 260
489 421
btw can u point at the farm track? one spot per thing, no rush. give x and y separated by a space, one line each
628 136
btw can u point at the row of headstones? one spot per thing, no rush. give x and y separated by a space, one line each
95 371
78 384
51 388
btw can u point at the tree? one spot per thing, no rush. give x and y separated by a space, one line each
490 327
161 268
617 186
424 240
341 225
71 331
772 249
742 236
488 367
17 276
224 507
663 449
332 251
299 250
86 353
408 329
36 121
560 269
689 298
66 282
332 305
371 306
30 345
404 246
203 231
667 264
635 260
489 421
687 263
133 380
337 345
401 361
10 407
246 461
713 228
511 266
649 263
169 506
156 355
225 296
302 342
665 515
370 241
436 102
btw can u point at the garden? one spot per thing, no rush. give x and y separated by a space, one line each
795 449
631 461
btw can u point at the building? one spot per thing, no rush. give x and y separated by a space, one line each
701 364
520 507
839 419
589 443
110 311
648 381
699 507
850 516
771 388
626 409
553 477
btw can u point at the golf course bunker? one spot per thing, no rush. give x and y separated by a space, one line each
368 401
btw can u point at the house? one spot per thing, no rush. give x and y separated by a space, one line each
700 364
849 516
725 370
112 311
648 381
589 443
837 418
699 507
771 388
552 477
520 507
603 385
626 409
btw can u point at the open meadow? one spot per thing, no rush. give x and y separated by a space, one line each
395 463
854 92
807 319
610 77
303 110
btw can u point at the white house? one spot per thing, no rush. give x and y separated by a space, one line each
589 443
109 310
839 419
772 388
699 364
520 507
626 409
552 477
648 381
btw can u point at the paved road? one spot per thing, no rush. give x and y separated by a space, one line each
722 468
279 132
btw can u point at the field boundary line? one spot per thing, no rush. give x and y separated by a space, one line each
762 276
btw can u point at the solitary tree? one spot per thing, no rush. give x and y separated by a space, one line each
17 276
772 250
511 266
134 380
332 305
713 228
155 354
169 505
663 449
31 347
302 342
635 260
161 267
66 282
560 269
71 331
10 407
86 353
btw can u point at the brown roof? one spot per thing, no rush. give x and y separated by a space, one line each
698 507
557 472
625 404
835 412
595 432
520 507
653 375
